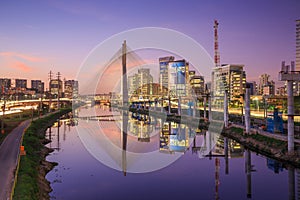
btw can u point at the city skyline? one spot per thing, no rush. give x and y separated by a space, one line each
41 36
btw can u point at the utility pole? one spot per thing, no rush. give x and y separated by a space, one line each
50 95
58 75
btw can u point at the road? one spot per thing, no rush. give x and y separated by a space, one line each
9 151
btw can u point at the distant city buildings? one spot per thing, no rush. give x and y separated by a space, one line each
269 89
281 91
174 75
197 85
17 89
253 87
38 86
21 84
141 83
163 73
56 87
178 78
231 78
71 89
263 81
5 85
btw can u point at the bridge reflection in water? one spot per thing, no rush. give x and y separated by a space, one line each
168 139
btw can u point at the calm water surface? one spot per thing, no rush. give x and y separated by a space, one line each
79 175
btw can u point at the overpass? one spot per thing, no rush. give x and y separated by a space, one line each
24 104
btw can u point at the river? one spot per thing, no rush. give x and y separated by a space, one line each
161 160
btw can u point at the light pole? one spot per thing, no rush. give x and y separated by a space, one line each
3 108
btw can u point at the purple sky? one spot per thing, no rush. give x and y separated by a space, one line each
36 36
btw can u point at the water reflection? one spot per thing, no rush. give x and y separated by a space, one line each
220 165
174 138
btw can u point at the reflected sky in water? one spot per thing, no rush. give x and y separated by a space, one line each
80 176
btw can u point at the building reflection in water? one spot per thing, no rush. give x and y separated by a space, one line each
274 165
67 121
179 138
174 137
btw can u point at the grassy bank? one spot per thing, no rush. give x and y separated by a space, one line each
11 121
31 183
271 147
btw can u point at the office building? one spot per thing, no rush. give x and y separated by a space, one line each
5 85
281 91
71 89
21 84
132 84
269 89
55 86
140 83
263 81
231 78
253 89
144 81
178 78
163 73
197 85
38 86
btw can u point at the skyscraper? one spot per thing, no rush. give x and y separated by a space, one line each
253 89
71 89
144 81
55 86
140 83
231 78
163 73
197 85
5 84
21 83
37 85
263 81
178 78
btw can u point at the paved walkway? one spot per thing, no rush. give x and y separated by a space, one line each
268 134
9 152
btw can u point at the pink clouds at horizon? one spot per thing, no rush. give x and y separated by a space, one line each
14 55
20 66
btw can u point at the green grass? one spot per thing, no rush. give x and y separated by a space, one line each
11 121
27 186
236 130
272 142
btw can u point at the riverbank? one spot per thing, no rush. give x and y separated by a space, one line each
267 146
31 182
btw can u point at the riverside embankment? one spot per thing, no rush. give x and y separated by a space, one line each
30 175
273 146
